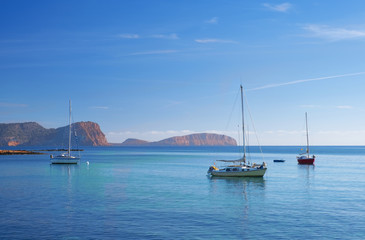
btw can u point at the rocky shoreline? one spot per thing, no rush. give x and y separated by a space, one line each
26 152
17 152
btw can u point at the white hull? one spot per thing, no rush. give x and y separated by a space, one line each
65 160
245 173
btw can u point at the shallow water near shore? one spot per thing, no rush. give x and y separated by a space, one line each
164 193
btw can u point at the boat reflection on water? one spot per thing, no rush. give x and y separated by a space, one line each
239 194
236 184
64 169
307 173
309 169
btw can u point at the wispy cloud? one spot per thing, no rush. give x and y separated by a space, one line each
6 104
173 103
99 107
284 132
318 106
283 7
333 34
344 107
310 106
213 40
213 20
171 132
129 36
171 36
305 80
154 52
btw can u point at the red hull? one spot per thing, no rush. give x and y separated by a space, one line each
306 161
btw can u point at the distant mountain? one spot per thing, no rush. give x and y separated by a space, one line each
33 134
133 142
199 139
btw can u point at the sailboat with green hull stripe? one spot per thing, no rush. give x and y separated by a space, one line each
239 167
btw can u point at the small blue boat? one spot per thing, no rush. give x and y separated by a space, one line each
279 160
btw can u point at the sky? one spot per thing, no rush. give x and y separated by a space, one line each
155 69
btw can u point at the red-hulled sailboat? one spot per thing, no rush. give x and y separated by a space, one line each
305 157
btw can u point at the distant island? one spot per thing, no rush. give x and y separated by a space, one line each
198 139
33 134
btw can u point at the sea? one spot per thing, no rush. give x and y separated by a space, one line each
165 193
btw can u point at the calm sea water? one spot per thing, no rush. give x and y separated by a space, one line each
164 193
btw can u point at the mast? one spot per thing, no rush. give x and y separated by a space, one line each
69 130
306 125
243 127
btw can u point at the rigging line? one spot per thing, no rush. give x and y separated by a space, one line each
75 133
239 140
253 125
234 105
248 142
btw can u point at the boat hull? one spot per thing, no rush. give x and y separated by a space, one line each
307 161
249 173
65 160
278 160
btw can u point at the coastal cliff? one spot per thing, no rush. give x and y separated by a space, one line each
198 139
33 134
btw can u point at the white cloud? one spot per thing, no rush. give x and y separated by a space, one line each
173 103
129 36
333 34
213 20
342 133
171 132
154 52
283 7
305 80
284 132
100 107
310 106
213 40
5 104
121 133
344 107
171 36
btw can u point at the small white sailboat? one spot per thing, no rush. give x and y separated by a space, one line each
239 167
66 158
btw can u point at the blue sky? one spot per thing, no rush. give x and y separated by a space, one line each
156 69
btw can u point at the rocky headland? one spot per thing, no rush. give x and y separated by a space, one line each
33 134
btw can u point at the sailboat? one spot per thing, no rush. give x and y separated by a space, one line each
239 167
305 157
66 158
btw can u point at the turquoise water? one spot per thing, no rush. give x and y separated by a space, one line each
164 193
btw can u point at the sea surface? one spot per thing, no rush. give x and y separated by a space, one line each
165 193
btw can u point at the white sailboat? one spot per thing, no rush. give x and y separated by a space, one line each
66 158
239 167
